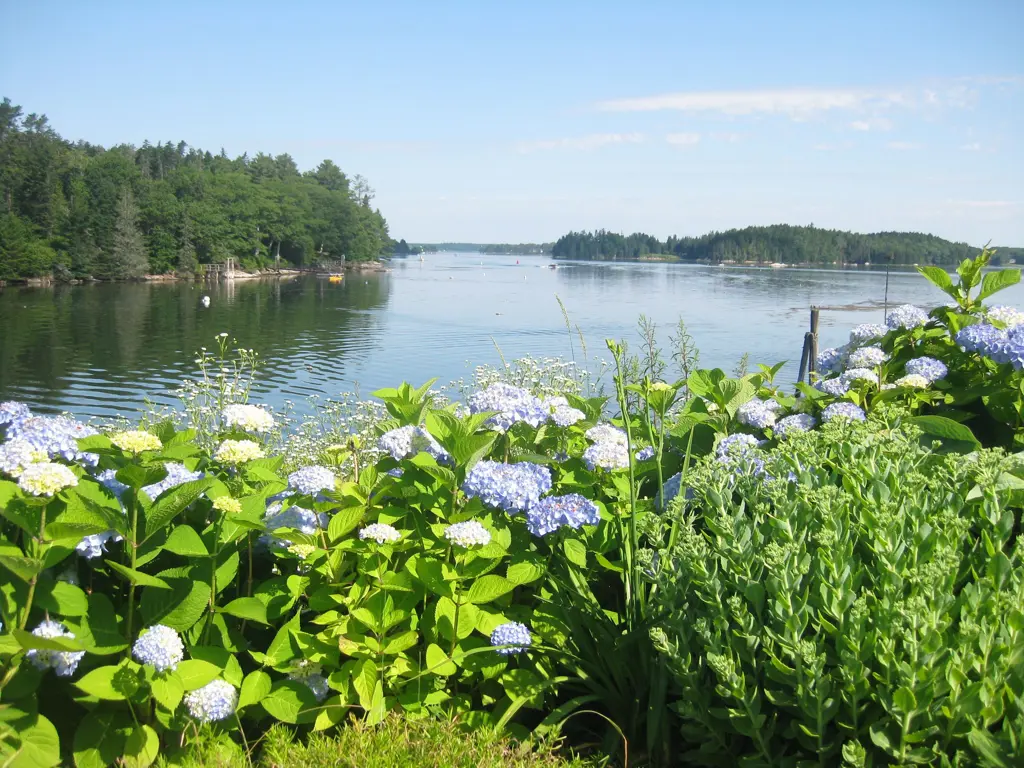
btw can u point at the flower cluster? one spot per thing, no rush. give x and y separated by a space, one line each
311 480
468 534
310 674
1007 316
63 662
17 454
913 381
382 533
1001 346
57 436
214 701
94 546
297 518
738 452
12 412
238 452
906 316
609 450
108 479
46 478
563 414
511 404
853 375
177 474
512 634
836 387
865 332
554 512
136 441
645 453
511 487
669 491
757 413
160 647
928 367
866 357
410 440
227 505
798 422
843 411
830 360
605 433
248 418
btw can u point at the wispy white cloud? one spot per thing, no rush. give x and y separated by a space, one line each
872 124
794 102
974 146
581 143
683 139
903 145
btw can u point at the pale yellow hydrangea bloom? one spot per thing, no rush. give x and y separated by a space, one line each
136 441
238 451
227 504
915 380
46 478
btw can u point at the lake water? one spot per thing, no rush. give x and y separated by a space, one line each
100 350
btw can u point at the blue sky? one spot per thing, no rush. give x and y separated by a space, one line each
498 122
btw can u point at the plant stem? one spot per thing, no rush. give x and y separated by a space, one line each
133 554
32 584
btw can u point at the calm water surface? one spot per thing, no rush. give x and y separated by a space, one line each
101 350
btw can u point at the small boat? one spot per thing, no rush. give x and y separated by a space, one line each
335 278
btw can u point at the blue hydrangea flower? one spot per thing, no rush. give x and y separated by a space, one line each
606 455
739 453
854 375
311 480
865 332
512 404
310 674
403 442
214 701
670 490
94 546
64 663
736 444
906 316
835 387
563 414
606 433
177 474
297 518
512 634
843 411
645 453
798 422
108 479
12 411
866 357
831 360
160 647
981 338
553 512
929 367
756 413
18 453
57 436
511 487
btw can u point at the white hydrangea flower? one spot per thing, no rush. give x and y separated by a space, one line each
380 532
468 534
46 478
249 418
18 453
238 451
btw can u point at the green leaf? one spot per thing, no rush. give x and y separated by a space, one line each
179 607
194 674
288 699
99 738
174 502
524 572
364 680
986 745
249 608
904 700
101 684
29 641
138 578
575 552
183 540
40 746
99 630
938 277
444 618
25 568
438 662
255 687
945 428
141 748
994 282
168 690
400 643
61 598
488 588
343 521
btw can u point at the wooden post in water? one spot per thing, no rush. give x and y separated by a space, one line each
812 358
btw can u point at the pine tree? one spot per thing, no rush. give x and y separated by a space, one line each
127 258
188 264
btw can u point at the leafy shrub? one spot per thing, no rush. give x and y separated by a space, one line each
849 597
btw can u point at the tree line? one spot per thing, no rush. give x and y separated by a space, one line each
778 243
78 210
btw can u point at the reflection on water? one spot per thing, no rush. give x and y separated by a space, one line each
98 350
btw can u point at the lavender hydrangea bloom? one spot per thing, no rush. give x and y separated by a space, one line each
563 414
736 444
645 453
214 701
606 455
512 404
739 453
470 533
866 332
512 634
670 490
554 512
511 487
298 518
160 647
982 338
906 316
177 474
18 453
12 412
108 479
64 663
835 387
929 367
310 674
798 422
843 411
57 436
311 480
866 357
403 442
831 360
94 546
756 413
859 374
606 433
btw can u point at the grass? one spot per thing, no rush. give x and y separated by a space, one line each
395 743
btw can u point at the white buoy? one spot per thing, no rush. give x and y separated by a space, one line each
206 301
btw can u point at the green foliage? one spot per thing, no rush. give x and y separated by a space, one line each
867 612
79 210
